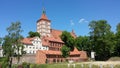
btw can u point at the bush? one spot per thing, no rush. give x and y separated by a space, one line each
2 59
25 64
0 65
14 66
33 66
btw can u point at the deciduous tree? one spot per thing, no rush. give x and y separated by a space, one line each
117 38
33 34
83 43
0 40
12 42
69 42
102 39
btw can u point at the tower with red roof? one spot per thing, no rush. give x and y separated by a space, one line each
43 25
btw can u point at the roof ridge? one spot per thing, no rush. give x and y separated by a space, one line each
57 30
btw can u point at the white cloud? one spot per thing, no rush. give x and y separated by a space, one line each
72 23
82 20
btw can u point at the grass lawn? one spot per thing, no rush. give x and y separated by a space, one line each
77 65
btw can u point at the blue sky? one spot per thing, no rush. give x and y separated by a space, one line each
64 14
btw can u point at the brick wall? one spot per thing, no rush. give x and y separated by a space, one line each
40 57
29 58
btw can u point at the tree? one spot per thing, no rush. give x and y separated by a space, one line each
0 41
69 42
33 34
83 43
65 51
102 39
117 38
12 42
8 51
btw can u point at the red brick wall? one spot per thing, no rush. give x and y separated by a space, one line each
40 57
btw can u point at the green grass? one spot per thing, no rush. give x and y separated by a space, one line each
65 65
76 66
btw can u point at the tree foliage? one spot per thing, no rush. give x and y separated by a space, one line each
0 41
102 39
117 38
69 42
65 51
83 43
12 42
33 34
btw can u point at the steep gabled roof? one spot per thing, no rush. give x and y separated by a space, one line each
54 37
56 34
43 17
27 40
75 52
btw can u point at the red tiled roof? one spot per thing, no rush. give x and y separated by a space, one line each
27 40
56 34
74 52
55 37
50 52
44 16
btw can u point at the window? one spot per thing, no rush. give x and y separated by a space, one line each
43 48
36 41
36 47
33 52
30 47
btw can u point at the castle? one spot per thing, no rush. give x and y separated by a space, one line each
47 47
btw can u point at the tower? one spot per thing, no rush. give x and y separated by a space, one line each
43 25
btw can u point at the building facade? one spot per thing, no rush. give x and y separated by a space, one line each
31 45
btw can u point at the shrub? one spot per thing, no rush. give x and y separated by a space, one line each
14 66
33 66
25 64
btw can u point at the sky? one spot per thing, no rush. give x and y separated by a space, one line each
64 14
